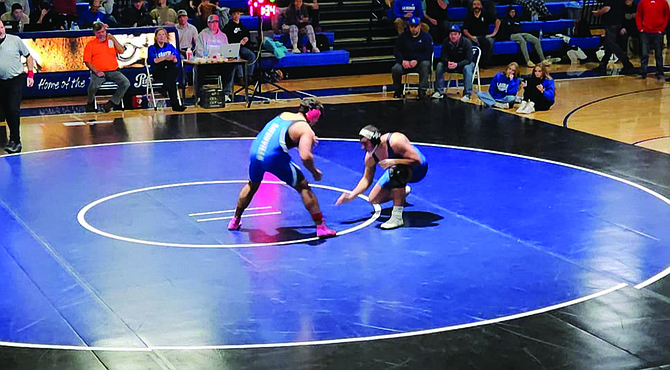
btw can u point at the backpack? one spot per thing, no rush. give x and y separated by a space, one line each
321 42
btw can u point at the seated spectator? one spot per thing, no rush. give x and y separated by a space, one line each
510 29
209 43
100 56
16 14
413 53
43 18
162 15
503 88
165 62
404 10
136 15
188 34
25 5
476 28
205 9
437 18
296 22
93 14
239 34
539 91
456 57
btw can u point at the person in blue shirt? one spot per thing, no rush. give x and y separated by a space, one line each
539 91
413 53
93 14
404 11
164 60
503 88
269 153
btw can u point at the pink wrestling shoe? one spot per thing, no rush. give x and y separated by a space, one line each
322 231
235 223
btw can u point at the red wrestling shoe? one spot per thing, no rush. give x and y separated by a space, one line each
235 223
322 231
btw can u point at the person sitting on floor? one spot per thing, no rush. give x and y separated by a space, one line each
539 92
503 88
165 60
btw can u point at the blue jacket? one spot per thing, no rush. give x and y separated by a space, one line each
418 48
157 52
502 86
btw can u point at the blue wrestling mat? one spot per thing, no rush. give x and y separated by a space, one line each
126 246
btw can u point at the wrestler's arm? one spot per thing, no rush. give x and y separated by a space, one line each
402 147
306 142
363 184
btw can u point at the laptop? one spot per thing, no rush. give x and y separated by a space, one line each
11 26
230 51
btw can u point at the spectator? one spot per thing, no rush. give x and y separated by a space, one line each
16 14
476 28
164 60
187 6
314 14
404 10
539 92
503 88
209 43
25 5
296 22
413 53
100 56
629 33
43 18
651 18
437 18
136 15
11 84
510 29
456 57
612 16
239 34
205 9
162 15
92 15
188 34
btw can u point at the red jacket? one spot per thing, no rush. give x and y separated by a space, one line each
652 16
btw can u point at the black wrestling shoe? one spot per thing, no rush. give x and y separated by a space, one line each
13 147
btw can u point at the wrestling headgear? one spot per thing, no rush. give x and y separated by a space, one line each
371 133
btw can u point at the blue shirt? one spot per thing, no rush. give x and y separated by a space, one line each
158 52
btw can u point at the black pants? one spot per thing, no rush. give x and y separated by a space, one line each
534 95
611 46
167 73
10 103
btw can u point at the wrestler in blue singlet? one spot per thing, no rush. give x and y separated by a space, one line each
418 171
269 153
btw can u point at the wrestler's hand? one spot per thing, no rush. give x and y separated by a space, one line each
317 175
315 142
344 198
386 163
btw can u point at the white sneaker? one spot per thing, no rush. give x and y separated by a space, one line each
436 95
393 223
501 105
465 98
530 107
295 51
408 190
522 106
315 50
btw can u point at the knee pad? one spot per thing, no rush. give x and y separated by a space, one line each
399 176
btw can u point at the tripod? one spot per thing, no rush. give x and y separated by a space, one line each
258 87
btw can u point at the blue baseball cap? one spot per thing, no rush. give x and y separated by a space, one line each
414 21
455 28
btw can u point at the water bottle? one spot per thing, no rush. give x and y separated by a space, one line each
384 90
189 54
540 34
534 17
